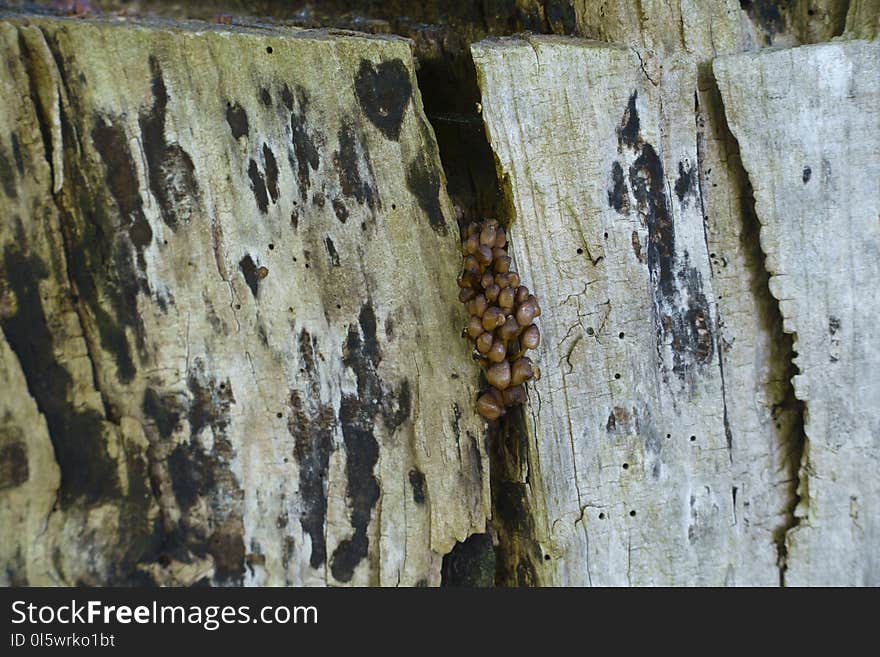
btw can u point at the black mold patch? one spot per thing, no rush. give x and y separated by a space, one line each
251 275
681 306
685 185
424 183
384 93
7 176
628 132
647 181
312 429
311 423
287 97
191 475
163 410
331 251
417 481
170 168
265 97
88 473
305 155
618 195
398 412
210 404
14 469
271 172
340 210
237 119
226 546
349 161
307 354
470 564
111 143
357 416
258 186
16 153
95 259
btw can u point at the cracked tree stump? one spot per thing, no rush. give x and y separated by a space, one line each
811 147
230 336
229 320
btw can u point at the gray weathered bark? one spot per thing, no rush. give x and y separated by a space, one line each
229 317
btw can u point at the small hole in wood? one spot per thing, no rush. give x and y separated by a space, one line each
393 206
269 49
238 306
617 375
626 466
546 557
271 247
590 330
693 439
580 251
620 335
632 514
279 415
601 516
338 306
606 236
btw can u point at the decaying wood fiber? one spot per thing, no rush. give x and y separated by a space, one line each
664 444
633 460
811 146
230 334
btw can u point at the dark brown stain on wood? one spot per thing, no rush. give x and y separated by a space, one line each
170 168
88 473
312 423
384 93
237 119
423 180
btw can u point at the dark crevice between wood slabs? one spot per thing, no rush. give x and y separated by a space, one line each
788 411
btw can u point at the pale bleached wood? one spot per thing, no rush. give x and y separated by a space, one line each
708 510
210 407
626 258
807 123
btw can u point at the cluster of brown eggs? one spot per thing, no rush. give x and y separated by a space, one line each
501 313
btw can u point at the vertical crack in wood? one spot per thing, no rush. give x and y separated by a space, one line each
792 441
471 169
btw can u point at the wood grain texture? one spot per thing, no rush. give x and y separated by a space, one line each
632 459
807 122
231 348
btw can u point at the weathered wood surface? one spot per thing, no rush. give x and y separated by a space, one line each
808 124
634 463
230 336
